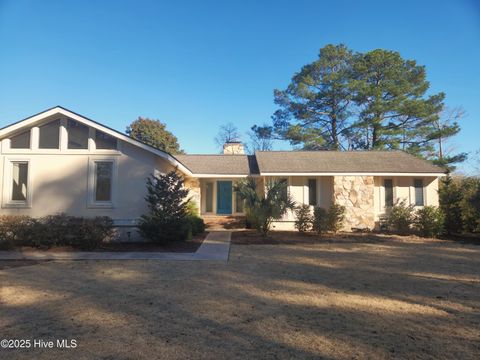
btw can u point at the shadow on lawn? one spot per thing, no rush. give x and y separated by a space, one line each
305 301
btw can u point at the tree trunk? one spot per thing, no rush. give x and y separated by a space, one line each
334 133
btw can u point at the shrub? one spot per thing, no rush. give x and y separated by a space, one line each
460 203
304 218
197 224
400 218
470 204
55 230
320 220
16 230
90 233
450 196
167 220
335 217
265 208
429 221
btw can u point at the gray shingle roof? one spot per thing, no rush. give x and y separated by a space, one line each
342 162
308 162
220 164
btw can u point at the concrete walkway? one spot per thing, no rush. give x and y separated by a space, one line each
216 246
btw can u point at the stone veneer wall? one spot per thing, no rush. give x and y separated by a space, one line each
356 193
195 191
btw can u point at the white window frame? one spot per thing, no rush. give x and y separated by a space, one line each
383 204
92 181
234 201
414 200
214 196
7 201
93 144
63 142
317 192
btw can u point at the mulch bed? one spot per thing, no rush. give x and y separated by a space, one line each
252 237
180 246
7 264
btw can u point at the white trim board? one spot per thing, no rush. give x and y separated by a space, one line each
353 174
220 176
62 111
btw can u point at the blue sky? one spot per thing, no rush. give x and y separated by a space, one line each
198 64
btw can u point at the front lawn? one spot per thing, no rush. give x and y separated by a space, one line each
397 298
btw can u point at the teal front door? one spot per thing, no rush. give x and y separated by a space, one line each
224 197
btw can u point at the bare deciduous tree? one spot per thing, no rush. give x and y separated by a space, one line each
227 133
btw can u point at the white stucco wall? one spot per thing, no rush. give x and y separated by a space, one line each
298 189
59 181
403 190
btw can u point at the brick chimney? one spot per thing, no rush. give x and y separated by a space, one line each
233 147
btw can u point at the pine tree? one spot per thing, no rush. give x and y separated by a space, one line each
450 198
390 95
315 106
168 209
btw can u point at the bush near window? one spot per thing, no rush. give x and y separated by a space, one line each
401 218
328 220
15 230
320 220
335 217
264 209
304 218
55 230
429 221
168 219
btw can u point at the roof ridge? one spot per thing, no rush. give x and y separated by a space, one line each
215 155
331 151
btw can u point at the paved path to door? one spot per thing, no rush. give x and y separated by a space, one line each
216 246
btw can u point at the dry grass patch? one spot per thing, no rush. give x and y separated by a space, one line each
336 300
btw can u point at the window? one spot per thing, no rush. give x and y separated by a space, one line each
19 181
388 184
21 141
77 135
238 203
312 192
209 197
49 135
418 184
285 189
17 188
105 141
103 180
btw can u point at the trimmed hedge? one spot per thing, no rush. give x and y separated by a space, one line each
54 230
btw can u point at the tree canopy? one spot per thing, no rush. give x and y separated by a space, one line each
154 133
227 133
362 101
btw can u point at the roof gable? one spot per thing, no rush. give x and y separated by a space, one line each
58 110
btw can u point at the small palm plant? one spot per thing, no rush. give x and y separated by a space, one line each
264 209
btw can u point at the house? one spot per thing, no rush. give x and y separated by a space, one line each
60 161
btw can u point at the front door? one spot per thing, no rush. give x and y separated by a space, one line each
224 197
